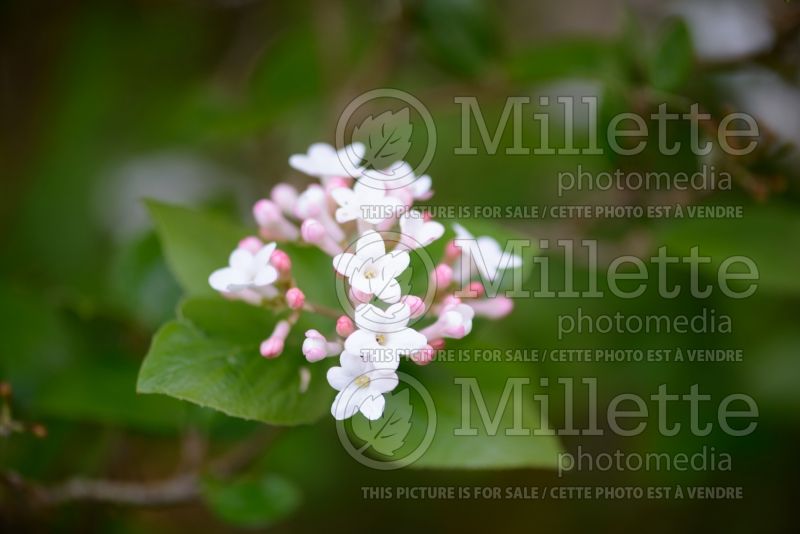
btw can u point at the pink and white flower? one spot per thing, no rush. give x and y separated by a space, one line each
417 232
383 335
361 386
323 161
482 252
454 321
365 202
371 269
246 271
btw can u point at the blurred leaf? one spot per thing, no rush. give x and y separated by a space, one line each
769 235
387 433
210 356
288 74
591 58
252 502
387 138
483 451
195 243
106 394
141 283
461 34
671 64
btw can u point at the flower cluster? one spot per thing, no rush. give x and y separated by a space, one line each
353 216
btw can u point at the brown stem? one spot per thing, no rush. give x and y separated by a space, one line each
183 487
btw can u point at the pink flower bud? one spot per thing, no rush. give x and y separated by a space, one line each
437 344
449 301
493 308
311 202
359 297
336 182
266 212
314 346
295 298
415 305
476 290
451 251
251 244
455 331
404 194
423 356
312 231
272 347
442 276
273 225
285 196
280 260
345 326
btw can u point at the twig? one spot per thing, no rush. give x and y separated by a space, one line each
181 488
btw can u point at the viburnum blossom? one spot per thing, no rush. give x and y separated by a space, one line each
324 161
361 386
368 203
383 335
371 269
482 252
247 270
363 220
417 232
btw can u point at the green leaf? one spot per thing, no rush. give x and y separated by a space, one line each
485 450
386 434
194 243
768 235
209 356
462 35
671 64
566 59
252 502
387 138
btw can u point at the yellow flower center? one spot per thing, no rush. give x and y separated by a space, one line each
362 381
381 339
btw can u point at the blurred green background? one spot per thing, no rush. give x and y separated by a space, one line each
200 102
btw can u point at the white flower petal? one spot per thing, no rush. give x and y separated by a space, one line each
359 342
387 290
393 264
338 378
346 264
374 319
226 278
383 381
264 254
242 260
370 245
265 276
372 406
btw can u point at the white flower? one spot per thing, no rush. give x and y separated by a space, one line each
399 175
367 202
454 321
484 252
361 387
323 161
421 188
247 271
371 270
417 232
383 335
